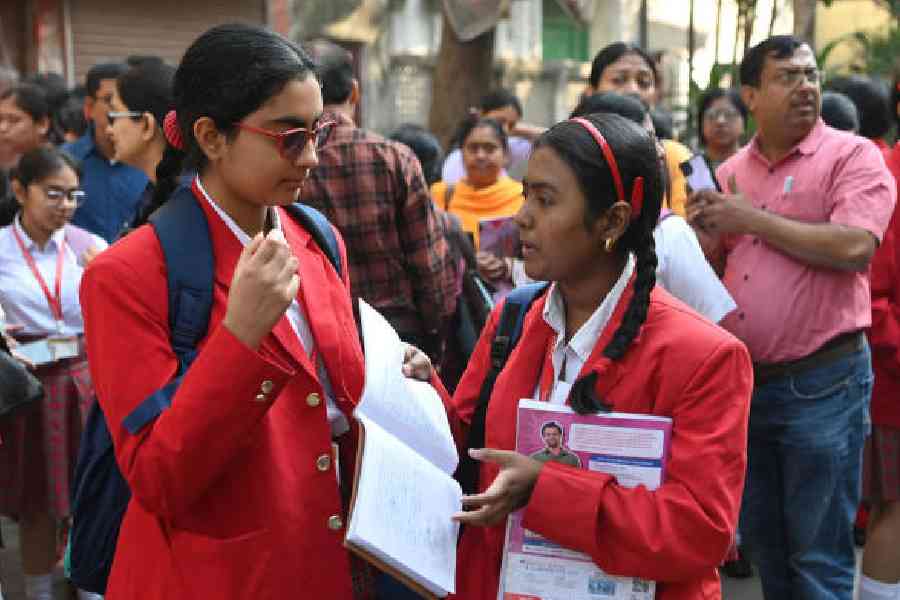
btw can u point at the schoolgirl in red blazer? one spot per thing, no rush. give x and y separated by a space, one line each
235 486
592 199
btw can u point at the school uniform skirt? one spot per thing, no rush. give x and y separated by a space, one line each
40 444
881 465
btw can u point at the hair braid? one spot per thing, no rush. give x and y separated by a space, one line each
636 313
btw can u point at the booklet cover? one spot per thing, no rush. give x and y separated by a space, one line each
631 447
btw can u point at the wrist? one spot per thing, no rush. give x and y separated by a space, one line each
245 335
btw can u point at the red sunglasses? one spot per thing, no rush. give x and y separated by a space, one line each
292 142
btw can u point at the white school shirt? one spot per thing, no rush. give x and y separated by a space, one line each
296 318
568 359
21 296
684 272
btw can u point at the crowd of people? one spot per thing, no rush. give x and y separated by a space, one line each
758 307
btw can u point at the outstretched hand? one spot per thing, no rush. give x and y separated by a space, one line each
509 491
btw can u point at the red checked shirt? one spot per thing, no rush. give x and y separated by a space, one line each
373 190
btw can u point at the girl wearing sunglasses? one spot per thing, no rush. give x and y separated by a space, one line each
592 200
237 491
41 270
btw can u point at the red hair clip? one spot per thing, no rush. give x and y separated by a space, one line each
172 132
637 190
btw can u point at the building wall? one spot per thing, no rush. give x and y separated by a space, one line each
843 18
110 30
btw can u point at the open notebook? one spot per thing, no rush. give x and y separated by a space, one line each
403 493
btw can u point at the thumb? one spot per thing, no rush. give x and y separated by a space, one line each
251 248
732 185
498 457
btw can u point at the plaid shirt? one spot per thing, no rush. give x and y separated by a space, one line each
373 190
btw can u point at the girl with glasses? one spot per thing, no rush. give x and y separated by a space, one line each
40 275
237 491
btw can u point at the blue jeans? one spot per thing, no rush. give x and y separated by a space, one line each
803 479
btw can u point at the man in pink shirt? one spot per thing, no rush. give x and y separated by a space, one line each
806 206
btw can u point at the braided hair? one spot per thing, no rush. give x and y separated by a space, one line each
635 155
226 74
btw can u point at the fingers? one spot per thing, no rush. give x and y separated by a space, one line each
498 457
732 185
416 364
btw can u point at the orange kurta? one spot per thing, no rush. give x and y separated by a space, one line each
502 199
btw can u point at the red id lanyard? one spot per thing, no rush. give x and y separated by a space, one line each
55 302
548 376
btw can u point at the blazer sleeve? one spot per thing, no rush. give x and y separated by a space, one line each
682 529
215 413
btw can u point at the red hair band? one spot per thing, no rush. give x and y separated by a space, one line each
637 188
172 131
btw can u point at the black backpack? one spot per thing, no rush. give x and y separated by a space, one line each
100 494
507 335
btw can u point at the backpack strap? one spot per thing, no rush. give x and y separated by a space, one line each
319 227
506 336
180 224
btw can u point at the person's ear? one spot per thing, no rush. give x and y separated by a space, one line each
749 95
43 126
88 108
20 192
150 127
211 141
612 224
354 92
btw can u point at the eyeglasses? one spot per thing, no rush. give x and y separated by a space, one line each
123 114
793 77
56 197
714 114
292 142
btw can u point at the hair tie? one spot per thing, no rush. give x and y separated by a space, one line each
637 189
172 131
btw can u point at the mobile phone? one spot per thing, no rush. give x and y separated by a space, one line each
699 177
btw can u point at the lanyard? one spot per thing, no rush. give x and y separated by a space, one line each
55 302
548 378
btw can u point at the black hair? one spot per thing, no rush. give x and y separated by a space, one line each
424 145
102 71
710 96
778 46
148 88
474 122
663 123
70 116
838 111
30 98
139 60
895 98
500 98
636 156
226 74
872 103
610 102
54 86
42 162
614 52
334 67
551 424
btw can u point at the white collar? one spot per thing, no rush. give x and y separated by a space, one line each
241 235
584 340
57 237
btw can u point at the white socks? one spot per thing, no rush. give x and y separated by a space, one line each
83 595
872 589
39 587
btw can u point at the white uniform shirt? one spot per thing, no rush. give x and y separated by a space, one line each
684 272
21 296
296 318
568 359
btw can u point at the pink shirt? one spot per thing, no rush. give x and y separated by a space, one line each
787 309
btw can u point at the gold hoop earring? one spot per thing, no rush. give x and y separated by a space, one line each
608 244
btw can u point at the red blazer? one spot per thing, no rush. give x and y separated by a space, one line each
234 492
884 335
681 366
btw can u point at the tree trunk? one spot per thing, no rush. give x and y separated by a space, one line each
464 72
718 27
805 21
749 22
774 17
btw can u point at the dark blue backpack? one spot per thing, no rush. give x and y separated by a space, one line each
506 336
99 494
